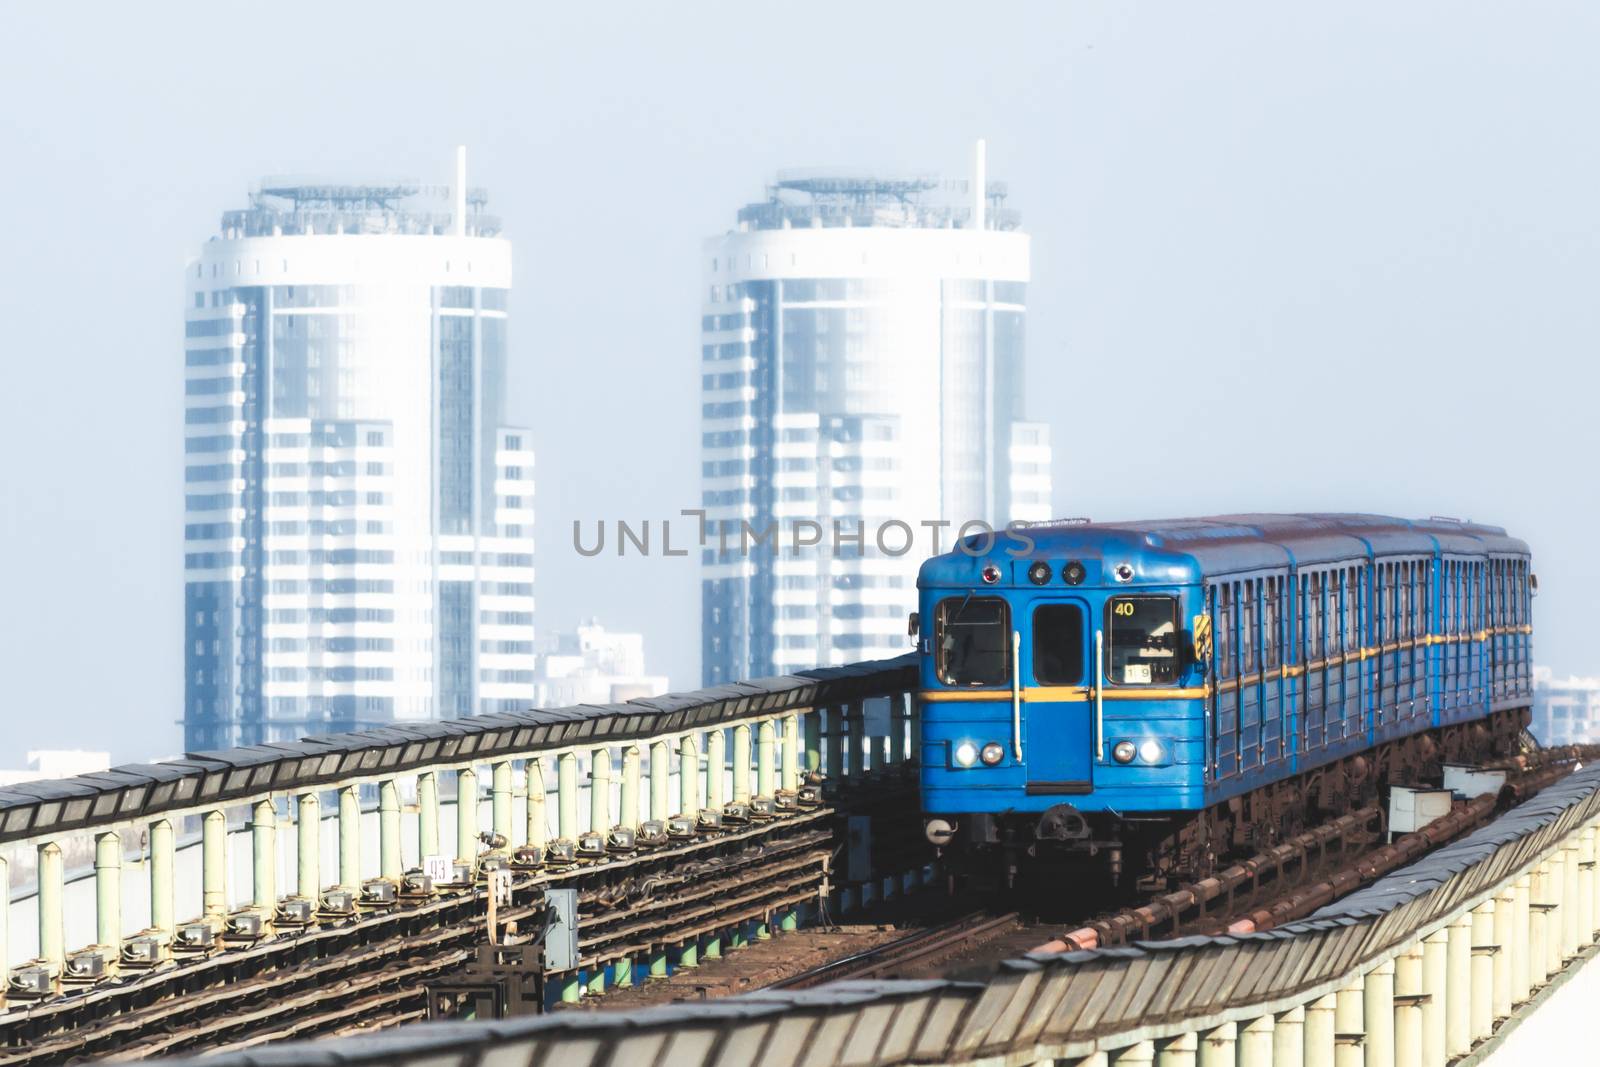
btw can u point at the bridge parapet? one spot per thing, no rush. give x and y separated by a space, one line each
1413 970
730 748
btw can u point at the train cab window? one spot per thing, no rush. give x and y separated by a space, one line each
972 638
1143 643
1058 644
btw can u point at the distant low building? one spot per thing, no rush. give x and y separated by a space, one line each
1566 711
588 665
56 763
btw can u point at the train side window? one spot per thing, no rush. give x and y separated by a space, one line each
1223 639
973 641
1143 646
1058 644
1314 618
1269 622
1404 609
1247 627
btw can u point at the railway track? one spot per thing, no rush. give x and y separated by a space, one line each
915 949
374 970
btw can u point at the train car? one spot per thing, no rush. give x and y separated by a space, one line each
1160 695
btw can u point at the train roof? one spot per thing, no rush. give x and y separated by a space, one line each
1227 544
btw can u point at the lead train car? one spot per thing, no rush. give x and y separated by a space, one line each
1160 694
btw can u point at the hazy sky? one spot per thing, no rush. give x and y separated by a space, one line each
1286 256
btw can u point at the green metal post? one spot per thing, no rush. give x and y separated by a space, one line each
308 847
713 948
264 855
389 863
790 920
567 796
597 981
107 889
741 762
658 962
52 887
162 854
214 863
791 752
622 973
737 936
688 777
538 827
600 790
812 725
716 766
349 838
571 987
766 753
500 786
763 931
660 779
466 815
428 814
689 954
629 816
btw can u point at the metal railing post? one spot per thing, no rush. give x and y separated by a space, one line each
52 921
660 780
1569 900
600 790
1505 911
264 856
214 863
1435 965
308 847
466 815
688 777
791 753
1483 949
1320 1032
538 824
1349 1025
1458 988
1219 1046
389 862
1538 927
163 851
1408 1001
716 766
107 890
629 815
741 763
1139 1054
811 725
766 753
567 796
350 838
1255 1041
1177 1051
500 785
428 814
1555 920
1289 1038
1521 928
1586 885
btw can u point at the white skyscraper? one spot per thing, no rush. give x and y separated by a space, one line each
862 366
358 512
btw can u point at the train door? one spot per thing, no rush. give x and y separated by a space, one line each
1273 718
1313 728
1249 675
1060 752
1225 682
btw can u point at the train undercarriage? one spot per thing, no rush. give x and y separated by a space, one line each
1155 851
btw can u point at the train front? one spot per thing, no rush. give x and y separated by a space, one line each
1062 702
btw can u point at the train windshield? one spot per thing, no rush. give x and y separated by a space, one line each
1143 640
973 641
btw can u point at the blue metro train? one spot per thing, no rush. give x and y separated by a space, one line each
1161 694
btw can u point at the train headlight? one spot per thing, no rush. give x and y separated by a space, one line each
1123 752
1072 573
1039 572
992 753
966 754
1151 752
